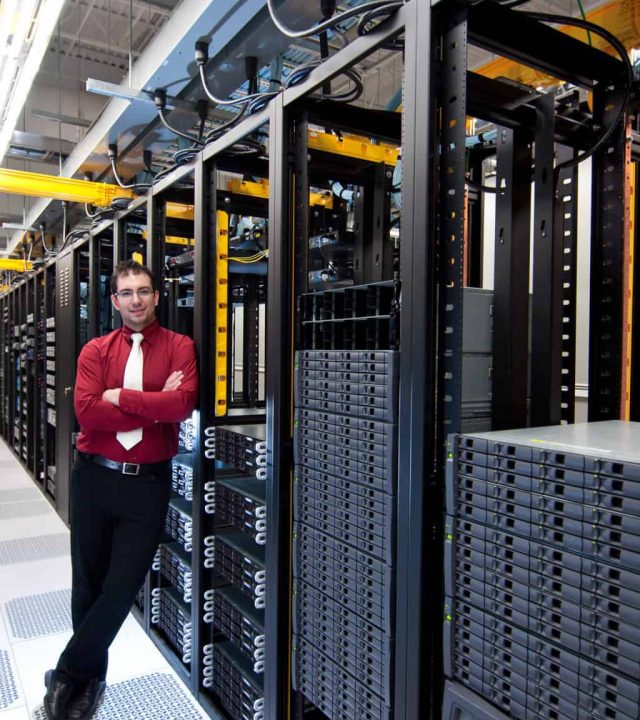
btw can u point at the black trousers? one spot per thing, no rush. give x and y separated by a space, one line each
116 525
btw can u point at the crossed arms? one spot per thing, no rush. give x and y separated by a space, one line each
116 409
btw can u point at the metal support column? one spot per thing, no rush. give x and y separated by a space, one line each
94 287
474 244
119 243
204 263
452 206
251 336
546 303
416 654
301 210
279 399
607 248
511 284
66 314
156 233
566 233
634 413
377 248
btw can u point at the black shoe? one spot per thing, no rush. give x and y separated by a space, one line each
85 700
60 687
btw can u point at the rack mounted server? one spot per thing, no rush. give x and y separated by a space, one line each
234 662
542 571
344 529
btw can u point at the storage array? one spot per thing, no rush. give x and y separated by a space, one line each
366 316
360 316
344 528
542 572
171 578
41 383
27 360
50 402
17 402
4 364
234 659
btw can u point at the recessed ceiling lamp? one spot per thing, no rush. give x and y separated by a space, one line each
26 27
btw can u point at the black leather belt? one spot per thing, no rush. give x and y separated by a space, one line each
126 468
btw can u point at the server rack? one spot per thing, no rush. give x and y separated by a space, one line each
16 430
101 265
4 362
48 348
345 437
539 391
66 328
172 581
235 646
39 378
29 449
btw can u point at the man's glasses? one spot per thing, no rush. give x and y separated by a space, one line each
143 293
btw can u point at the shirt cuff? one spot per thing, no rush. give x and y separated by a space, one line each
131 401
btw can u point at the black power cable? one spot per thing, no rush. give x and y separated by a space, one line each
220 130
479 187
301 73
160 100
367 23
201 58
112 151
331 22
624 57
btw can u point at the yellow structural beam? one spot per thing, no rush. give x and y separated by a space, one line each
261 190
179 211
354 147
18 182
221 314
244 187
173 239
15 264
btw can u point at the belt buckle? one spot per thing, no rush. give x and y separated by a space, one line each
130 469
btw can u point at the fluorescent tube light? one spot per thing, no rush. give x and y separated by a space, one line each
21 60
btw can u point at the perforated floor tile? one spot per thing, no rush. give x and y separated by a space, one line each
33 548
151 697
37 615
11 510
18 494
8 687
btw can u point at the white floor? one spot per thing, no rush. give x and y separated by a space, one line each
27 650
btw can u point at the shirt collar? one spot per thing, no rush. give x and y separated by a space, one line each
150 332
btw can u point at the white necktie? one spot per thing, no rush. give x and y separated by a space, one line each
132 381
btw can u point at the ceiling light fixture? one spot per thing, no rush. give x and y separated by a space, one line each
111 90
26 27
17 226
64 119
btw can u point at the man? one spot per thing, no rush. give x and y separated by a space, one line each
121 481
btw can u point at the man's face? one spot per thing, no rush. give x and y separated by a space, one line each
138 310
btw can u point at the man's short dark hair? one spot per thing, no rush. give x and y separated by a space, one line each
130 267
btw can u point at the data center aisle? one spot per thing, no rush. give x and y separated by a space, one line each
35 582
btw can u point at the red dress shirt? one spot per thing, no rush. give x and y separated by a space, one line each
101 367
